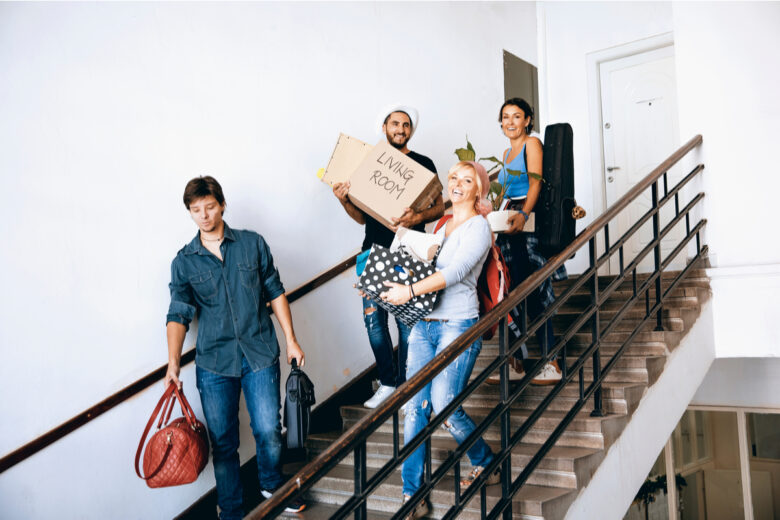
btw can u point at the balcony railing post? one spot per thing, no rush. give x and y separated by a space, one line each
659 325
361 513
506 466
595 332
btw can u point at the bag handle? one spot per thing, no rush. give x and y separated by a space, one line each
166 403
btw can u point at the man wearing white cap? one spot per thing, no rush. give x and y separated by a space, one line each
398 123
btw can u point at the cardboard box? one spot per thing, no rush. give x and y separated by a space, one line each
387 182
347 156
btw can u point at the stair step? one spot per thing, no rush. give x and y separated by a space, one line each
618 398
533 500
570 464
585 338
695 278
320 510
576 303
624 362
575 348
556 469
584 431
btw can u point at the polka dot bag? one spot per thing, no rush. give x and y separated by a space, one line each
396 266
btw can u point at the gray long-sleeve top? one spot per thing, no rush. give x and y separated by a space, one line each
460 261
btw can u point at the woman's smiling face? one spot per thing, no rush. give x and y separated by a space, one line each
514 121
462 185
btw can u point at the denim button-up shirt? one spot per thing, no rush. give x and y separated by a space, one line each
230 297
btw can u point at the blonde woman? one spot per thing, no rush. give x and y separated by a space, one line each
467 241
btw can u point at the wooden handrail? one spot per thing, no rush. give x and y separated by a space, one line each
74 423
344 445
138 386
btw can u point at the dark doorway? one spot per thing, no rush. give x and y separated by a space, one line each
521 80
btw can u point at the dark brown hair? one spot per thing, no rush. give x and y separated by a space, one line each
200 187
523 105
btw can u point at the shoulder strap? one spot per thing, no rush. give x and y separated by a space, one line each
443 220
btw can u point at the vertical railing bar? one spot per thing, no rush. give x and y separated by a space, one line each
688 223
506 467
666 184
456 468
396 435
657 254
582 382
606 238
503 343
677 204
564 370
620 255
595 334
633 282
428 458
523 317
483 502
361 513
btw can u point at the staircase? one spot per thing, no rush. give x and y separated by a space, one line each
568 467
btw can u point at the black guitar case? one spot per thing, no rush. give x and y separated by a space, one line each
555 227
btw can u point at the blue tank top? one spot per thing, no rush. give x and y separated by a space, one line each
518 186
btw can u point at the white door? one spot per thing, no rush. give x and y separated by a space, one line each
640 130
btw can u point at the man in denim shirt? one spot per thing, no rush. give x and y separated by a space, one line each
226 276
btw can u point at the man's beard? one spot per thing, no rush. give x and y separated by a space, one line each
396 145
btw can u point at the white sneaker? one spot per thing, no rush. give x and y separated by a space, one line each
419 511
516 373
296 506
549 375
382 393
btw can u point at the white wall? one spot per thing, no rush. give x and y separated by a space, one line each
728 73
740 382
568 33
106 110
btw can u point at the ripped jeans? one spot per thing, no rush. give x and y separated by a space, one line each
427 339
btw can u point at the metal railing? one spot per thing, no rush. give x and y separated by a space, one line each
353 441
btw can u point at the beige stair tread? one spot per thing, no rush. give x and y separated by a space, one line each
527 493
526 449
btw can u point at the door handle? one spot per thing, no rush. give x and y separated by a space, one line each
610 168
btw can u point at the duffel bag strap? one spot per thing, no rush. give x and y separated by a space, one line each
164 400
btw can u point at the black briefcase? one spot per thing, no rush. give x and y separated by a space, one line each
297 406
555 224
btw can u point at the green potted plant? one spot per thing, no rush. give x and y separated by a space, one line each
498 218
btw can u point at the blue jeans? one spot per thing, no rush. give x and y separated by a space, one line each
515 251
426 341
219 396
390 374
